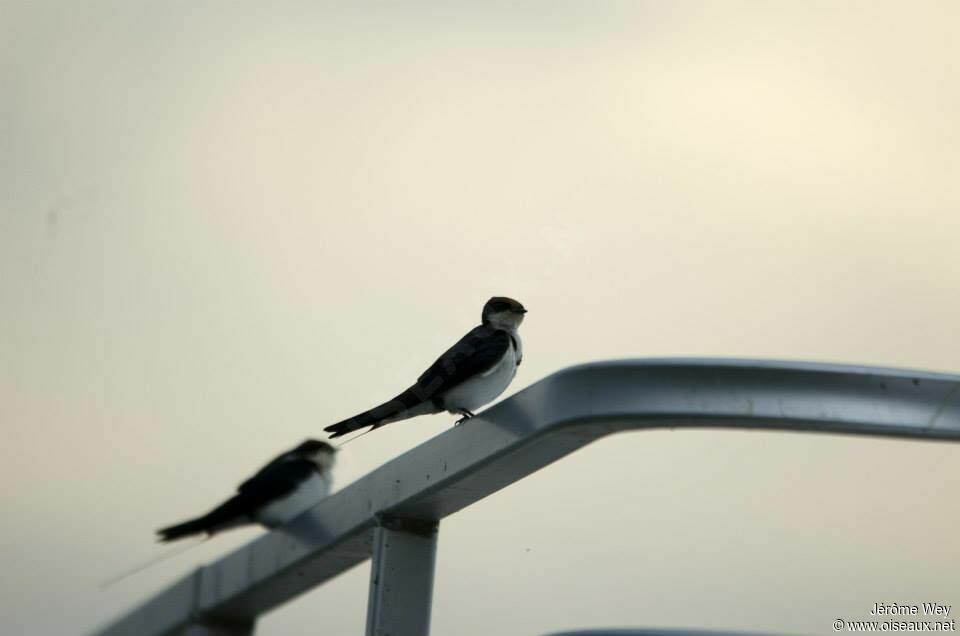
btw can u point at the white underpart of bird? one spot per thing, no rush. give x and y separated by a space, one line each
486 387
286 509
472 373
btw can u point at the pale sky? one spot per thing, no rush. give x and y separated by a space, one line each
225 225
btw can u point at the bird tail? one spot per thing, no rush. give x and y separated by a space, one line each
185 529
406 405
224 516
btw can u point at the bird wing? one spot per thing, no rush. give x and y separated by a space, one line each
474 354
286 456
275 480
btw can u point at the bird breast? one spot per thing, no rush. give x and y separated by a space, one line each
280 511
484 388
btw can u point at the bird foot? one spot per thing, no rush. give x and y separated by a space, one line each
466 416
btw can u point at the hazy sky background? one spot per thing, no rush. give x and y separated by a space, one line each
226 225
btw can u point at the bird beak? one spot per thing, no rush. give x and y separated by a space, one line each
523 311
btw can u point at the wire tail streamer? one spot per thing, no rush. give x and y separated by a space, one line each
180 549
372 428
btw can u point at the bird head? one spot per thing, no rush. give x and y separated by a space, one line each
503 313
320 453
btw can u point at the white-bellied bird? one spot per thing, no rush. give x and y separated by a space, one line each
290 484
470 374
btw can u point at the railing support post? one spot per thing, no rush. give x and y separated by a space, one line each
401 577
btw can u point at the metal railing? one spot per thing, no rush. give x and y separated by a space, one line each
391 515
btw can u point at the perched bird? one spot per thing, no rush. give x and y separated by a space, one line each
281 490
470 374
